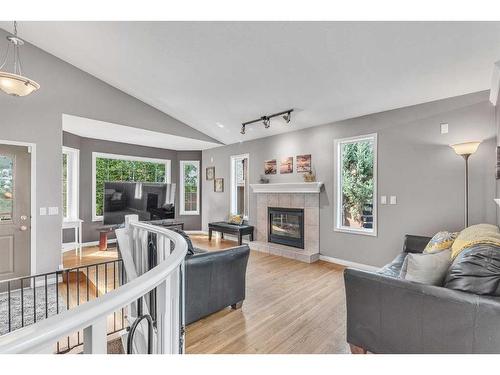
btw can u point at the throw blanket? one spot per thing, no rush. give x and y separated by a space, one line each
474 235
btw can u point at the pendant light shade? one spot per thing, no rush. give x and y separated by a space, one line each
14 83
17 85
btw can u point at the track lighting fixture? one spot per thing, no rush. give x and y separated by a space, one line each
287 117
266 120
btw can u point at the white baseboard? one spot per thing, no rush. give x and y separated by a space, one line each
72 245
196 232
348 263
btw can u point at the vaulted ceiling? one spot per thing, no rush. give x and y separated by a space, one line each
216 75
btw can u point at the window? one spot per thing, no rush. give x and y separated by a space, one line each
190 187
70 182
110 167
239 185
356 185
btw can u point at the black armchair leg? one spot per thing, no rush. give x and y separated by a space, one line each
237 305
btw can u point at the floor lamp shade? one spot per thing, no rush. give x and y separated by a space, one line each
465 150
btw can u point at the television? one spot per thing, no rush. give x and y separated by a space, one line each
148 200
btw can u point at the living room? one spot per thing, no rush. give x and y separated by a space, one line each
249 187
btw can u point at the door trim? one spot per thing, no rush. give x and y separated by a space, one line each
32 150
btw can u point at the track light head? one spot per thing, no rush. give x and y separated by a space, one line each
242 129
287 117
266 121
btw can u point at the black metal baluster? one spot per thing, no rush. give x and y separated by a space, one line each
122 273
22 303
67 290
78 300
88 283
57 306
46 298
78 286
34 299
8 305
57 295
97 280
67 299
114 287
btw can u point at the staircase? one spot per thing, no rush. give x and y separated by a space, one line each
87 304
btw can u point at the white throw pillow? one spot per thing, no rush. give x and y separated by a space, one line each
426 268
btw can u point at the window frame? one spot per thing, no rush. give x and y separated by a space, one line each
73 183
232 185
337 214
182 208
96 155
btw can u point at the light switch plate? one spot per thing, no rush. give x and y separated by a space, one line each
383 199
43 211
393 199
444 128
53 210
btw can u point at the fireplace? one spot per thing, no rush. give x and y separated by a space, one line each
286 226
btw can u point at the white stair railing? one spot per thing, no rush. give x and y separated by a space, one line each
167 278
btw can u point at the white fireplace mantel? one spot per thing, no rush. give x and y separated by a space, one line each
288 187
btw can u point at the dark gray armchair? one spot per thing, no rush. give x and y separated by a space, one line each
386 314
215 280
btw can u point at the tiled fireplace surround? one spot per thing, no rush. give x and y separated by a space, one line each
310 203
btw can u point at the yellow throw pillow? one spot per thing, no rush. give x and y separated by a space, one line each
441 241
236 219
475 234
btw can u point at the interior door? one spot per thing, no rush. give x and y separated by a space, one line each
15 209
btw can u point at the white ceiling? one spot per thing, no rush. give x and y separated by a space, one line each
210 73
85 127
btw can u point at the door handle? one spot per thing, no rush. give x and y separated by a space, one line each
23 228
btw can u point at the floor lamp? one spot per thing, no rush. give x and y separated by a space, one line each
465 150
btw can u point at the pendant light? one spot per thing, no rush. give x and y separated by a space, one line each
14 83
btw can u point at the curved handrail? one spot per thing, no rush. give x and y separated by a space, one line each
48 331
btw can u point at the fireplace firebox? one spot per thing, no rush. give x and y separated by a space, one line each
286 226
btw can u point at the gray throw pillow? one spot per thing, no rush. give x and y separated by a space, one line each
426 268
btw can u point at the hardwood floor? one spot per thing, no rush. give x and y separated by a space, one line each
201 241
290 307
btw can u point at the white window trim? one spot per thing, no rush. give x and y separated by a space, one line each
73 193
338 227
182 163
96 155
232 187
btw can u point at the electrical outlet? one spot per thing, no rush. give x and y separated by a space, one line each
383 199
444 128
43 211
393 199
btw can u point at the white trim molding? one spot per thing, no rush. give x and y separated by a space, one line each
232 185
288 187
95 155
73 183
495 83
34 210
337 167
182 208
349 264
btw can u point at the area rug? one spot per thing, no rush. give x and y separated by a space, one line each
29 314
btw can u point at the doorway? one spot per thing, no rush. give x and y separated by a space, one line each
15 211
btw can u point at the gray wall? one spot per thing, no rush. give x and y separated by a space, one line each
415 163
38 118
87 146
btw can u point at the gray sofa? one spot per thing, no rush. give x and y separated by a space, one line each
214 280
386 314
